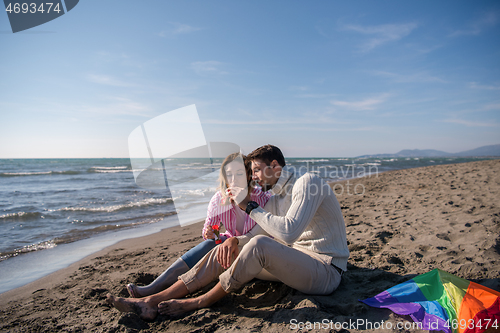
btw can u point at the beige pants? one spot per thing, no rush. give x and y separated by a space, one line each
265 258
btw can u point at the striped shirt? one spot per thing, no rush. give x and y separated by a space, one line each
218 213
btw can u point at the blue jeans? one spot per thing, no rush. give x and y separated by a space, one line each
194 255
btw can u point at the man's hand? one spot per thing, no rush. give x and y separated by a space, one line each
227 252
209 233
239 196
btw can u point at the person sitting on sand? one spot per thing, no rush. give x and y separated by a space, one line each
303 213
234 174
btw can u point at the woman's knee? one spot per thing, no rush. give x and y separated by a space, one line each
207 245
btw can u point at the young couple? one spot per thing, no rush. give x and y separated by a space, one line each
293 232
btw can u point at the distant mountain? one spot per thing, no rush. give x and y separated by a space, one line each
422 153
492 150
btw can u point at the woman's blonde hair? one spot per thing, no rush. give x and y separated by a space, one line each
222 174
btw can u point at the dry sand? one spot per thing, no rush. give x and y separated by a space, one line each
399 224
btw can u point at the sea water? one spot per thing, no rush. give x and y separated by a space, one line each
56 211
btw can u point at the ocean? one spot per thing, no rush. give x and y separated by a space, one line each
54 212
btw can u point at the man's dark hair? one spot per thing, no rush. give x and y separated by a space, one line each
267 154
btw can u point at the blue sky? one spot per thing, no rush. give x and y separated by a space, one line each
316 78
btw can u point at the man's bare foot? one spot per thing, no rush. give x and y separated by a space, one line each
175 307
139 306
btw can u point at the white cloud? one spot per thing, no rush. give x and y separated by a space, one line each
408 78
244 122
179 29
311 119
208 67
107 80
320 30
114 106
492 106
382 34
362 105
428 49
315 95
475 85
471 123
299 88
474 107
120 58
486 21
337 129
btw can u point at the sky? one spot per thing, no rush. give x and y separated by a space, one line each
315 78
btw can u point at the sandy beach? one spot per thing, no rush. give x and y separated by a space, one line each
399 224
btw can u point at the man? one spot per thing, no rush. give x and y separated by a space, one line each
309 250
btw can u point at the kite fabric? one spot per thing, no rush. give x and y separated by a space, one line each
442 301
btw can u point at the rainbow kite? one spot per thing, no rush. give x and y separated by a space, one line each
442 301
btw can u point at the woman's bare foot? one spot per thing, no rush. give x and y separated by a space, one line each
139 306
175 307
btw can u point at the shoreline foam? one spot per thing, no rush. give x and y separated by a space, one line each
20 270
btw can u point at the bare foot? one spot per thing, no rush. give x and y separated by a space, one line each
175 307
141 307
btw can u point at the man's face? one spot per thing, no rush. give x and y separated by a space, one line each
266 176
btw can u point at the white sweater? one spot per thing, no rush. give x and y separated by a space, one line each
304 214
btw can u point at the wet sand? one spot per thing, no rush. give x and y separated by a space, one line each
399 224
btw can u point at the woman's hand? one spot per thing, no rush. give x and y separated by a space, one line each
209 233
237 194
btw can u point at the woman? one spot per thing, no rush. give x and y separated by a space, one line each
235 179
